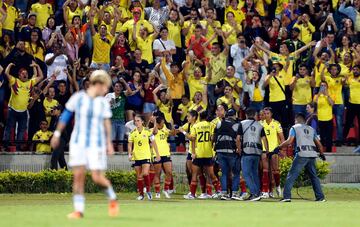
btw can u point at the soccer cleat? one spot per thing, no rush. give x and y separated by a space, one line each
244 195
320 200
271 195
149 195
171 191
75 215
140 197
204 196
265 195
235 196
225 197
285 200
278 191
216 195
189 196
254 198
113 208
166 194
157 195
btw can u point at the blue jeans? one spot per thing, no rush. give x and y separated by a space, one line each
338 110
257 105
250 169
229 163
299 109
118 129
298 164
16 117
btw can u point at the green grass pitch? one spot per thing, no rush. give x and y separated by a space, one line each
341 209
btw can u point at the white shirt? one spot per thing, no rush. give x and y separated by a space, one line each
169 45
60 63
238 54
90 113
129 127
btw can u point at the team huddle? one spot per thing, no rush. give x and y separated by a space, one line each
218 151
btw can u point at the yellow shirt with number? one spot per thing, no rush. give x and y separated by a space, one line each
45 136
218 67
271 131
210 30
145 45
302 91
325 112
354 86
12 15
276 94
162 144
128 26
174 32
335 89
165 109
202 132
141 142
48 106
43 12
101 52
20 93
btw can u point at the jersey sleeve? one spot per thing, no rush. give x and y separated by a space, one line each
107 109
193 131
292 132
278 127
73 102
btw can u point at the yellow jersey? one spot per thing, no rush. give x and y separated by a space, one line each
48 106
354 86
128 26
271 131
141 144
174 32
210 30
302 92
184 110
70 14
288 74
231 39
43 12
317 71
200 107
275 92
20 93
325 112
238 13
191 26
34 50
227 101
45 136
218 67
233 81
202 132
162 144
146 47
12 15
195 85
165 109
335 89
101 53
187 128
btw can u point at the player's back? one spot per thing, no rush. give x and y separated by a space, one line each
203 144
89 120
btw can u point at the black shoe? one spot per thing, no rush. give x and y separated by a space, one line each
254 198
285 200
320 200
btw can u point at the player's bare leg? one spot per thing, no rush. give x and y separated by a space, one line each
265 176
276 173
99 178
78 191
167 166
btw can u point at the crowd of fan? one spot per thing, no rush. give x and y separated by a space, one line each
174 56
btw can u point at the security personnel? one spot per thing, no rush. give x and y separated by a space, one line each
251 135
306 147
227 154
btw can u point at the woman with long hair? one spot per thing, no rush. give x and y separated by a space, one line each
49 28
134 100
121 48
35 47
140 150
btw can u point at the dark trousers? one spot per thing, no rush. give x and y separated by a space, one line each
281 112
58 156
326 131
352 112
176 116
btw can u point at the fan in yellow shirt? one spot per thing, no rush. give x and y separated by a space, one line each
305 27
183 108
164 102
231 28
235 8
229 100
161 138
139 149
43 11
72 8
174 24
11 17
322 61
200 101
49 104
196 82
175 79
42 138
210 25
144 42
35 47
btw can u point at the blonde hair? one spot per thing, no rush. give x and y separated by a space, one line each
100 76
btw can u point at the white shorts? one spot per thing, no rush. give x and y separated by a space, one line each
92 158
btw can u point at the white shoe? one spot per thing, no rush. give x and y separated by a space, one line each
271 195
171 191
144 190
166 194
244 195
189 196
149 195
216 195
140 197
278 191
265 195
204 196
235 196
158 195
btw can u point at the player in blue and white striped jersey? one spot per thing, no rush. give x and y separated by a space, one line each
90 139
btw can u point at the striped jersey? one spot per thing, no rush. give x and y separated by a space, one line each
90 113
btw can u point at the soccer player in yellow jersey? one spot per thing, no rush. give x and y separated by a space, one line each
274 135
354 103
202 154
139 149
42 138
162 133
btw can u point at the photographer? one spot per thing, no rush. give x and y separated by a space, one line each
307 143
